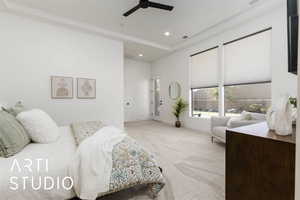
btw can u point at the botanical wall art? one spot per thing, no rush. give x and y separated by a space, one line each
86 88
61 87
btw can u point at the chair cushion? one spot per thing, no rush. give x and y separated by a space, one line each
219 131
246 118
254 116
13 137
239 123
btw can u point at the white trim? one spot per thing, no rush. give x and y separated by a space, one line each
246 14
202 117
190 85
39 14
221 80
297 177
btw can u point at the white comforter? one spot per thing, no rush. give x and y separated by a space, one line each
59 154
91 168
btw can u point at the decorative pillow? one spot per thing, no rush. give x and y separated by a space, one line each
248 117
254 116
2 106
83 130
232 121
15 110
13 137
39 125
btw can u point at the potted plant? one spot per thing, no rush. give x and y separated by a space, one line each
293 102
178 108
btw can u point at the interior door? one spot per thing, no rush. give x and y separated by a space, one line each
155 98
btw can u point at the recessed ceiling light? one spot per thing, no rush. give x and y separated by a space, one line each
167 33
141 55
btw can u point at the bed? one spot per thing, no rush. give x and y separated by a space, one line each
132 166
59 154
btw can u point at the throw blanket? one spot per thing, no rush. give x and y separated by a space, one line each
92 165
109 161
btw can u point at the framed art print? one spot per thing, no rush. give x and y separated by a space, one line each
61 87
86 88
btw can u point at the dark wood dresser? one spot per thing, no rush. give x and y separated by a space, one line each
260 165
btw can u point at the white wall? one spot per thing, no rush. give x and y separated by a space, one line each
137 79
297 186
32 51
176 66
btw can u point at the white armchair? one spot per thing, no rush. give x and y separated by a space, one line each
219 125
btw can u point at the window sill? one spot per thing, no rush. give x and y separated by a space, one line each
202 117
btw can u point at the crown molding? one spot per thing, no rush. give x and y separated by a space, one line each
38 14
249 13
2 5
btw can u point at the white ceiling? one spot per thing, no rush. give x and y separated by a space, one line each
143 30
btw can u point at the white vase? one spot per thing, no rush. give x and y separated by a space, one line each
280 118
271 118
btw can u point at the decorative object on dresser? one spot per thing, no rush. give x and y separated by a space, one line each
293 101
219 125
259 164
61 87
179 107
280 117
86 88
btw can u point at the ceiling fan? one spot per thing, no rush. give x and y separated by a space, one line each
146 4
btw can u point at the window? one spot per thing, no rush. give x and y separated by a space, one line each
254 97
247 60
248 74
242 67
204 81
204 68
205 102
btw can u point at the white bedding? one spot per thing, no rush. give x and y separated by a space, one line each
92 166
59 154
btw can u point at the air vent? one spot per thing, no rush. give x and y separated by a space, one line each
253 2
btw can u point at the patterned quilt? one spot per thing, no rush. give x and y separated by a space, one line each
132 164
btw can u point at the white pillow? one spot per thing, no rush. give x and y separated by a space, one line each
254 116
232 120
39 125
2 106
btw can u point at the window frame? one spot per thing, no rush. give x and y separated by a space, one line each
247 36
192 97
205 87
243 84
221 85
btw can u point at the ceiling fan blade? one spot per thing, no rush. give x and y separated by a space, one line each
131 11
160 6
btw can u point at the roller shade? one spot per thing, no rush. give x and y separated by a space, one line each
204 68
248 59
